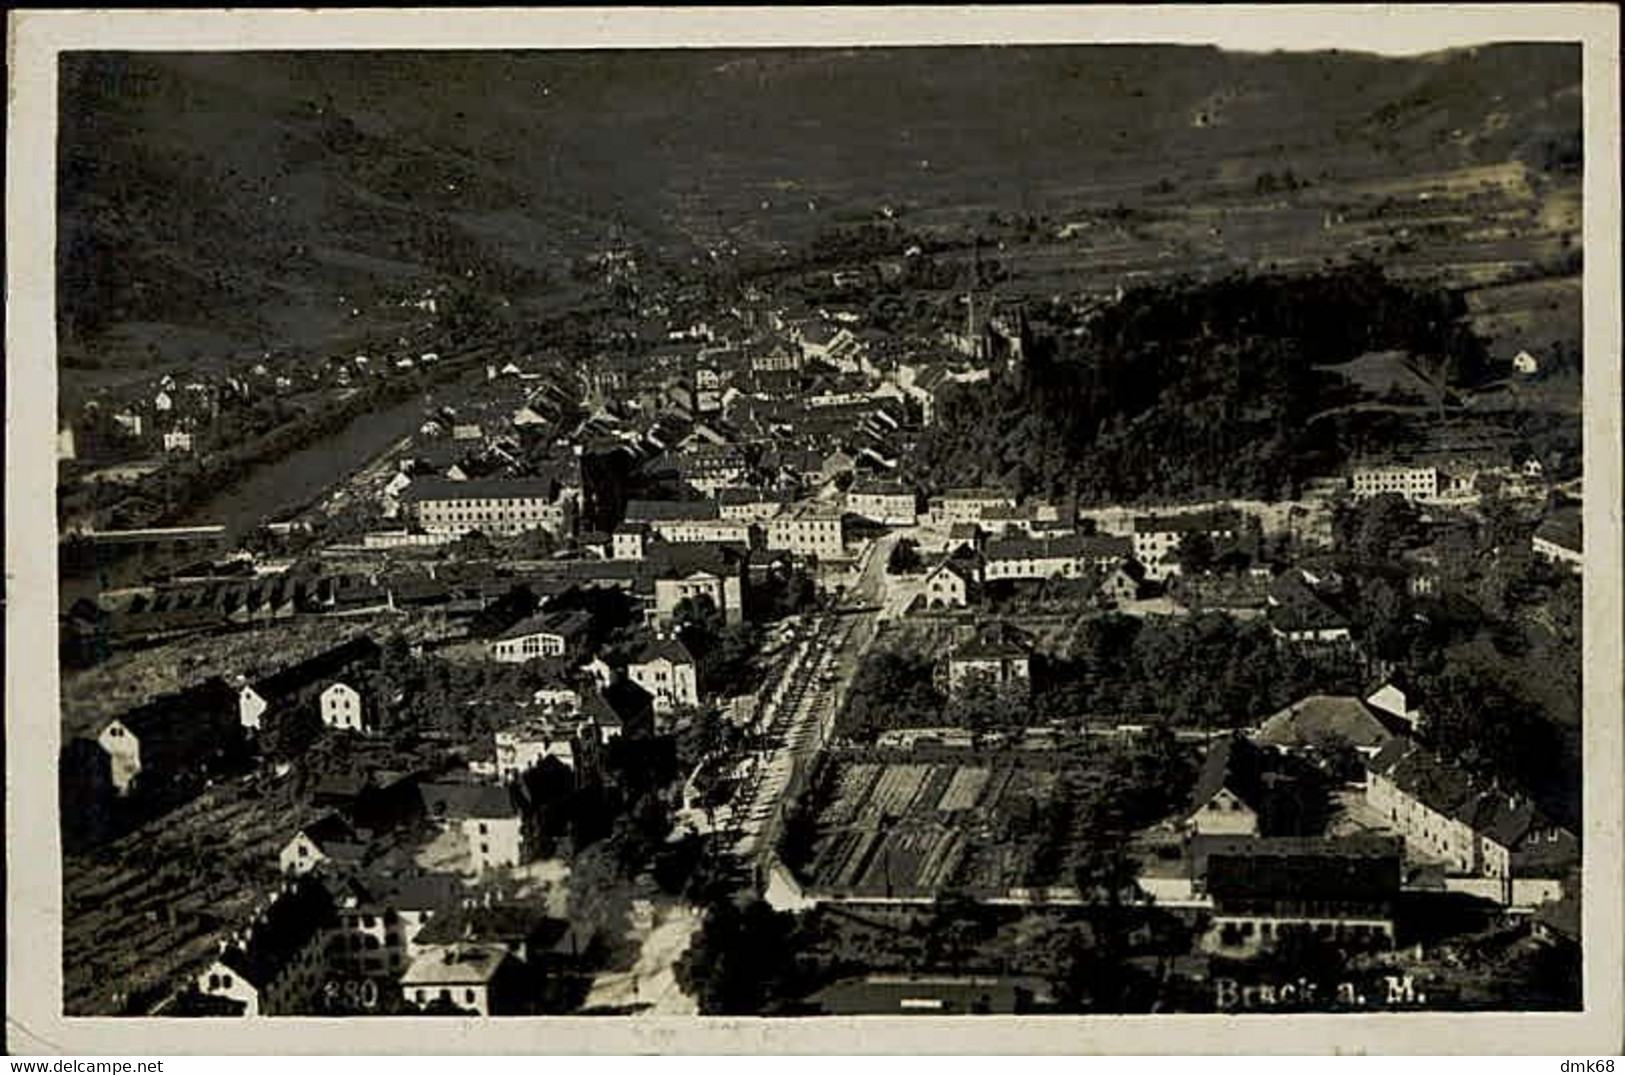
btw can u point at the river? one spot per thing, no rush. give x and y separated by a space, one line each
285 486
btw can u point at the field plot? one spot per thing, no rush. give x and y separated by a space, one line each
911 830
142 912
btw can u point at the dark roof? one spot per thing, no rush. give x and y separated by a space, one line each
330 828
1066 546
187 717
997 641
1321 871
565 623
503 923
1392 752
1564 528
296 916
616 705
1425 778
1294 606
1272 784
880 488
313 670
361 893
746 495
676 560
468 801
669 648
1232 763
663 510
957 566
1313 720
1203 847
481 489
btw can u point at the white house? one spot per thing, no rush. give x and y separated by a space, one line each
629 541
667 670
342 708
464 976
488 817
809 530
1226 798
523 746
276 966
950 585
330 838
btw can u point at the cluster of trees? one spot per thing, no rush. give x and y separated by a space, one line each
744 960
1208 670
1194 390
1493 654
725 653
890 690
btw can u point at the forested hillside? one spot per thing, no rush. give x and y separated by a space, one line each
1198 389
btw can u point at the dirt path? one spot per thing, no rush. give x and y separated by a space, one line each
651 984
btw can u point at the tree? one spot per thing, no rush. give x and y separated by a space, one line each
474 545
983 706
742 961
904 558
1196 553
1376 530
288 732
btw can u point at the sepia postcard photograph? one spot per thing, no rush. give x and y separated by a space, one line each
684 530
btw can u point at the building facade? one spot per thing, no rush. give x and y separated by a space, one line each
496 507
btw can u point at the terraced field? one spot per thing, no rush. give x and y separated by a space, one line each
913 829
145 911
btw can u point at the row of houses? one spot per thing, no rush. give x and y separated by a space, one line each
335 942
1492 840
1473 827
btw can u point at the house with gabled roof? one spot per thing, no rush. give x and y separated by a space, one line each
1245 789
275 965
177 736
380 916
998 654
1300 614
460 976
300 683
665 668
330 838
952 584
678 573
494 820
1320 720
622 708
